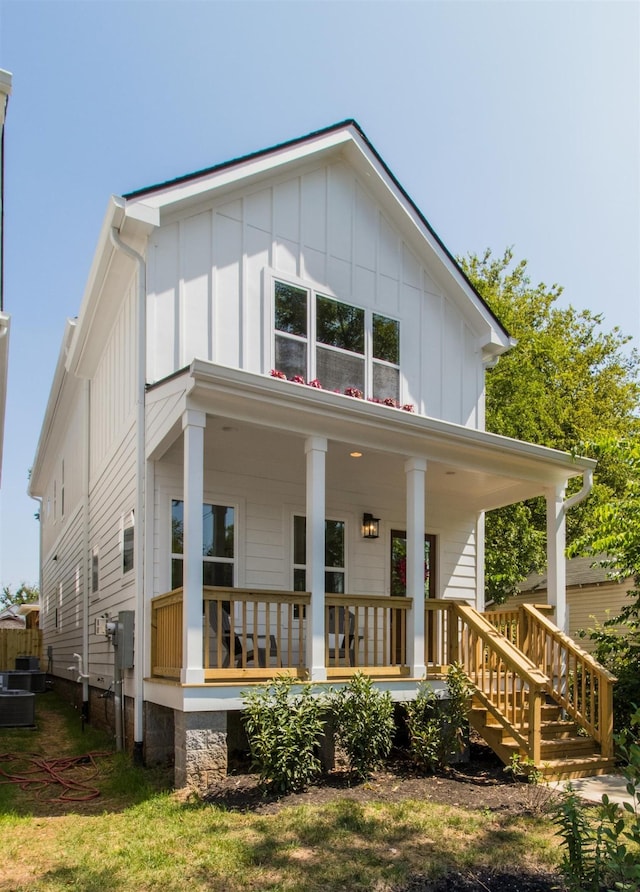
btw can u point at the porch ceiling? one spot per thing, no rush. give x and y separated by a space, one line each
258 424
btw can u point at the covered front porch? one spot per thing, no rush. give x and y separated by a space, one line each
252 477
536 693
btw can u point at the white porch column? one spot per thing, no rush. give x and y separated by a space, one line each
193 425
415 470
556 569
316 450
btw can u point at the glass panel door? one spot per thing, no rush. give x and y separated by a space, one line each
399 586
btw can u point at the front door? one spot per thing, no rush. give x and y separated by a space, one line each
398 587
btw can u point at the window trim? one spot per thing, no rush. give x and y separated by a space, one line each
127 523
327 569
95 571
312 344
234 561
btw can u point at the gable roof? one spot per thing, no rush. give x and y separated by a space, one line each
317 142
579 571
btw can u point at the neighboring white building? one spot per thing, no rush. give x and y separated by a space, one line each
172 457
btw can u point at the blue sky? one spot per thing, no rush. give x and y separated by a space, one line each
509 123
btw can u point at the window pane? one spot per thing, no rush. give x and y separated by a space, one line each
94 573
339 325
214 573
334 544
177 527
127 550
299 580
386 339
337 371
291 309
176 573
291 357
334 582
299 541
386 382
217 530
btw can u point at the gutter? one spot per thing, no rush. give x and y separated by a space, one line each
587 486
139 528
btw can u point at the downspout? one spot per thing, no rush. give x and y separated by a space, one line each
138 714
576 498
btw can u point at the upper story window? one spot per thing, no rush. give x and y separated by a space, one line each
340 345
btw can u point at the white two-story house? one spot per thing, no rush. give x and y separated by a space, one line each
264 452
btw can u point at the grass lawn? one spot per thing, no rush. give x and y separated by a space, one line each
137 835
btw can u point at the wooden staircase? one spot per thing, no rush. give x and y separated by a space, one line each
537 694
565 753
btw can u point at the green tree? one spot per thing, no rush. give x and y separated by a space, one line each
567 382
24 594
616 534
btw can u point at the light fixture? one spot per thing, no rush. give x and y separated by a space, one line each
355 454
370 526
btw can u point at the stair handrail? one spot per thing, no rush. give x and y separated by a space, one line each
522 717
591 705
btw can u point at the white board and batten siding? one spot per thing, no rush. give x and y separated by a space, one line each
210 286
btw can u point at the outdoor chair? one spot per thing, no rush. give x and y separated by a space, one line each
342 641
257 656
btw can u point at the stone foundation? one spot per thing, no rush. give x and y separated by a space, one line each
200 749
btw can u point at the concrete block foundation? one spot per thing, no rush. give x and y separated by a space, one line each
200 742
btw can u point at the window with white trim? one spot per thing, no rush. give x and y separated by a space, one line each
334 560
339 344
95 571
127 542
218 544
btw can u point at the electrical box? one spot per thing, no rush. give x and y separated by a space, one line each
101 625
123 639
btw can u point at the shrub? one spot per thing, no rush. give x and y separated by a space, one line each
363 718
607 849
284 731
438 727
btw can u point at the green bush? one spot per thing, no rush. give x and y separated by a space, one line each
438 728
284 730
363 720
605 850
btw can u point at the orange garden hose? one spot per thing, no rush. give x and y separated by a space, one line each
41 776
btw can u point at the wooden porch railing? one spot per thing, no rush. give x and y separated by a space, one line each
508 684
366 632
509 621
576 681
257 634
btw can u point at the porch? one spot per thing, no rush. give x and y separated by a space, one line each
536 693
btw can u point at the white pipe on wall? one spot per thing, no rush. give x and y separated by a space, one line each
139 551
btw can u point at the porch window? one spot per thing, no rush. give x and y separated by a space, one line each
341 345
334 570
218 546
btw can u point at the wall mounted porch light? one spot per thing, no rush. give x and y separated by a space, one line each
370 526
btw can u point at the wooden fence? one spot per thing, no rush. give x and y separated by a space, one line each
17 643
